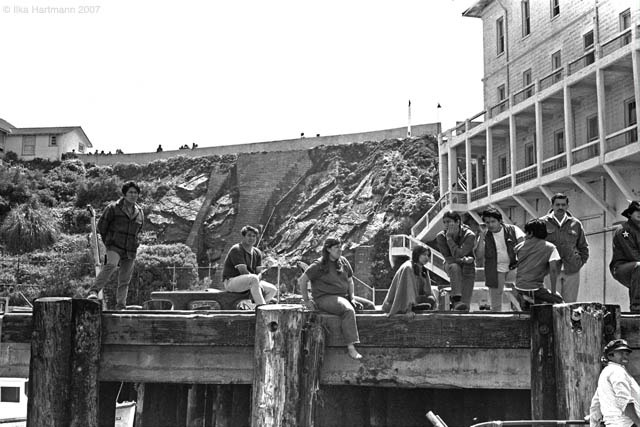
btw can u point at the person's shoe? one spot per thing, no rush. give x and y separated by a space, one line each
634 308
423 306
92 295
460 306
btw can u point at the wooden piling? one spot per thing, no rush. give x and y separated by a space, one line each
313 355
196 405
278 344
85 357
50 369
566 345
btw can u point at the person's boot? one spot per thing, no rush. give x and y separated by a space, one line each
457 304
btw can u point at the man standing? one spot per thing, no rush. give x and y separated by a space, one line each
497 247
567 234
456 244
242 268
625 262
536 259
120 226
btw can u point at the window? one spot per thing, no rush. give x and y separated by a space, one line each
555 8
625 23
529 154
558 138
53 141
556 60
588 47
502 165
500 35
630 119
502 93
526 18
10 394
592 128
526 81
29 145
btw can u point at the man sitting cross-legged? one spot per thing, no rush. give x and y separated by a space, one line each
242 268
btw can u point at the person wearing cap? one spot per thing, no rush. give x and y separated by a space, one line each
332 290
616 401
567 234
497 247
625 261
410 289
456 243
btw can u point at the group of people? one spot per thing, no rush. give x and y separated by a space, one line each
545 257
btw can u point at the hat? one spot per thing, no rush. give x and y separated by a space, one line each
614 345
633 206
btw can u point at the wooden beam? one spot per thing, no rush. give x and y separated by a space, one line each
526 206
592 195
620 182
50 371
16 328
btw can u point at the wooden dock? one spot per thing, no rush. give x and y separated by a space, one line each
284 355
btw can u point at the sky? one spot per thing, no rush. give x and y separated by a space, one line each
135 74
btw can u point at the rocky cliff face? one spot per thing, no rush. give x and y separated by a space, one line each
360 193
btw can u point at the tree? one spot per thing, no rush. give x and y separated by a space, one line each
27 228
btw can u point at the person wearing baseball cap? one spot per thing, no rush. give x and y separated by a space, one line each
625 261
616 401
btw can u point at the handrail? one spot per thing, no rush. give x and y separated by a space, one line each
556 157
555 76
371 289
604 51
481 113
502 105
621 131
530 88
590 53
531 423
585 146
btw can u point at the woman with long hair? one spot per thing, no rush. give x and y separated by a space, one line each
410 288
332 290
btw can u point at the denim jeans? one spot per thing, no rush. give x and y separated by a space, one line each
340 306
124 277
629 275
461 279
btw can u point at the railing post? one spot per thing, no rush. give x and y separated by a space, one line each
566 344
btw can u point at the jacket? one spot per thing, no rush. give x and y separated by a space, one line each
491 254
457 247
626 245
120 231
570 241
533 263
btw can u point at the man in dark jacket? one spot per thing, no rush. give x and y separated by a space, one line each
456 244
625 262
120 226
497 247
567 234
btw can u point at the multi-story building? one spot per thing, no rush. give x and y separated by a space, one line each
561 82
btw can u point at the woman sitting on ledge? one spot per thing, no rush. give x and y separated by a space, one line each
410 289
331 279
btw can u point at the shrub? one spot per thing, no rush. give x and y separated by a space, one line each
154 269
28 228
11 157
76 221
96 193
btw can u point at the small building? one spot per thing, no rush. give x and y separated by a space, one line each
42 142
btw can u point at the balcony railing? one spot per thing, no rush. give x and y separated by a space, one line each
551 79
622 137
479 193
621 40
523 94
585 152
501 184
586 59
499 108
554 163
526 174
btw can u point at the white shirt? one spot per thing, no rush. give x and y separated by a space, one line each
564 218
501 248
616 389
555 256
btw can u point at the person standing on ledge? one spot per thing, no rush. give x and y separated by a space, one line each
332 289
243 267
119 227
456 243
567 234
625 261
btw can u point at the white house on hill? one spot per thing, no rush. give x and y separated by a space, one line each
42 142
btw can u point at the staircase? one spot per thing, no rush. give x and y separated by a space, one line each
402 245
